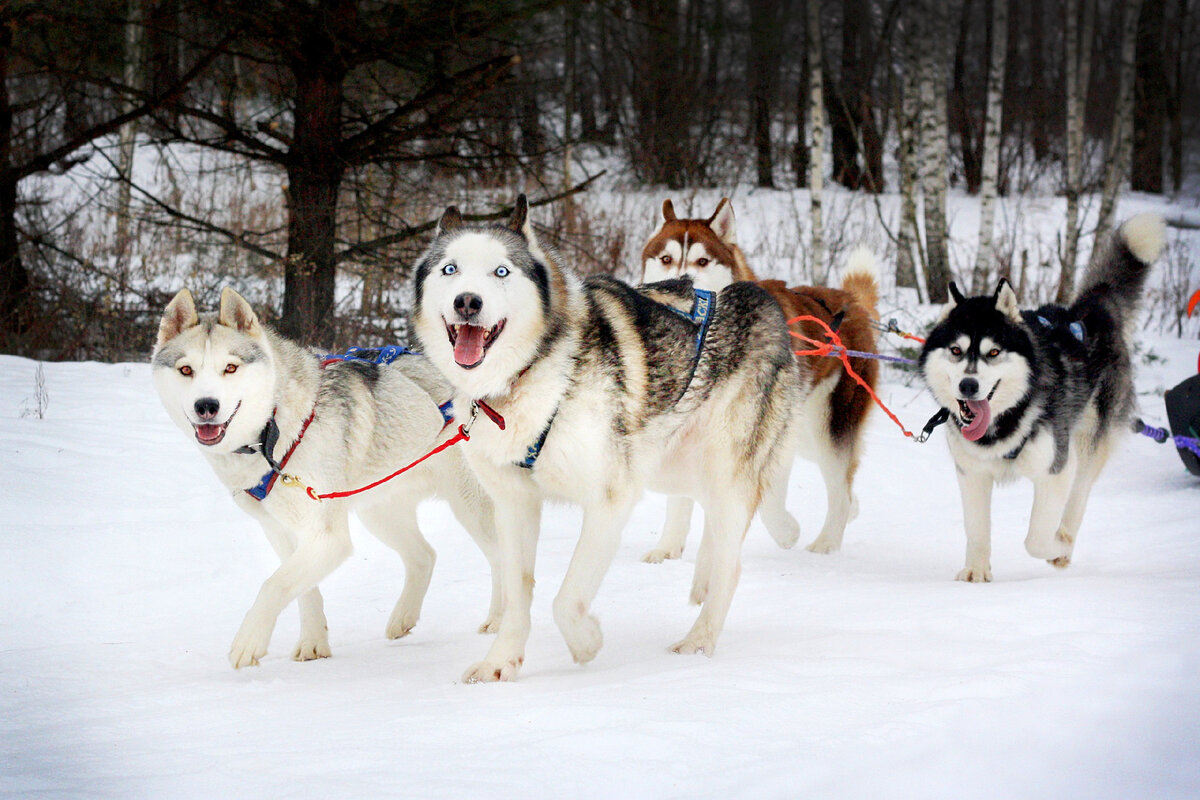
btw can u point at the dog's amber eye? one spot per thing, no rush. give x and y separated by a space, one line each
185 371
955 350
665 259
700 262
230 369
995 351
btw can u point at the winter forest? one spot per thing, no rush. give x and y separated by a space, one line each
302 151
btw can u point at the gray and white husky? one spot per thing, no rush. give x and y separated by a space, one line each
1040 394
258 406
602 390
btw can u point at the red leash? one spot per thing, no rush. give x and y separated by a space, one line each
835 348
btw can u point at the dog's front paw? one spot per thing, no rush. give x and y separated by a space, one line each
695 644
823 544
659 555
785 531
975 575
401 623
491 624
583 636
491 671
248 647
1062 562
311 649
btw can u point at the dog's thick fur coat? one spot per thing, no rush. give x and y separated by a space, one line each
611 381
1041 394
833 407
222 377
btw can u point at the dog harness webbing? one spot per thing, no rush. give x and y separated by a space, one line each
270 433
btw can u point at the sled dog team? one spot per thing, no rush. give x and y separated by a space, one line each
592 391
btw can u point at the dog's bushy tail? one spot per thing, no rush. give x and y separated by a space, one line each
858 278
1117 280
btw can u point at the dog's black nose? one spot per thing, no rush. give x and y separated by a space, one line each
207 407
968 387
468 305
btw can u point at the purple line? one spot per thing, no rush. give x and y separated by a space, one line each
1188 443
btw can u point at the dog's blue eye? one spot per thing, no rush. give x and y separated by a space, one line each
449 269
501 272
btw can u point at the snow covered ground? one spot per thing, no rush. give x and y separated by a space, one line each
125 570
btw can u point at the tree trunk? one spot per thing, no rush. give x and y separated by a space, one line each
1178 95
1149 108
314 178
14 278
1120 141
816 141
766 45
127 137
907 118
934 146
1078 58
1039 105
960 108
991 142
841 101
800 151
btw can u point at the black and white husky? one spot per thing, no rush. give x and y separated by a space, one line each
596 391
1040 394
258 406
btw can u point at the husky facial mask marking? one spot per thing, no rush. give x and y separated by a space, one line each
976 360
683 247
460 269
206 366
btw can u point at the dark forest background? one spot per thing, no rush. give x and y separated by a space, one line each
363 119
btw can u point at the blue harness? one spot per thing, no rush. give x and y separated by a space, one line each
270 434
701 315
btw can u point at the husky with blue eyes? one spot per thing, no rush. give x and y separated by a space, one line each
1039 394
594 391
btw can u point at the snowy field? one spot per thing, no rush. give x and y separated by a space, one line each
125 570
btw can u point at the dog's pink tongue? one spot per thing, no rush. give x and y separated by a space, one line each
208 434
979 425
468 346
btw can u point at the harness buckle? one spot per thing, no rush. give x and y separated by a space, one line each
291 480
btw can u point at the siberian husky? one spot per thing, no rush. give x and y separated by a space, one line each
1040 394
833 407
597 391
255 402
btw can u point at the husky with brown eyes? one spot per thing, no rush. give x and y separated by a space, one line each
1040 394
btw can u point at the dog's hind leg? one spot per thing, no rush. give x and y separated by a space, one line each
726 521
675 530
314 630
1050 495
598 541
518 518
976 490
1089 469
395 524
782 526
838 465
703 570
319 551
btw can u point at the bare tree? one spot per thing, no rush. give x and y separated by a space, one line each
767 24
1078 77
1150 100
907 112
934 145
991 141
816 147
1120 140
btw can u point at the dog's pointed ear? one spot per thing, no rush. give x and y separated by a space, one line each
450 220
236 313
179 315
520 214
668 211
722 222
956 296
1006 300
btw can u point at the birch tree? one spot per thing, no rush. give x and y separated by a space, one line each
1078 74
934 145
1120 140
127 136
991 141
907 115
816 141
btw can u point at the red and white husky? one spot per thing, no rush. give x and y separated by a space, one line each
829 419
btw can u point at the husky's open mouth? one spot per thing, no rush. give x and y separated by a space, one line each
471 342
209 434
975 416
